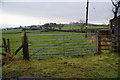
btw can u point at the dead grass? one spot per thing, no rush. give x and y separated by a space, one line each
98 66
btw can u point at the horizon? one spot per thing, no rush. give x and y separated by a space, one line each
45 23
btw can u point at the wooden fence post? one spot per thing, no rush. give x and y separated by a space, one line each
5 46
99 44
113 44
25 46
118 47
118 44
8 46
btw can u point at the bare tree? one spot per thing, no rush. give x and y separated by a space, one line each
116 6
82 23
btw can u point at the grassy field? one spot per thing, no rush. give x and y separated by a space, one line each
15 40
74 27
90 66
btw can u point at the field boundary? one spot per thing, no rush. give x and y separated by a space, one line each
101 37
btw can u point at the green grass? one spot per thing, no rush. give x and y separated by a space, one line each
98 66
11 31
89 66
74 27
15 40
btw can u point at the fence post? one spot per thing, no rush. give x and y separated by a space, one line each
113 44
8 46
118 44
5 46
118 47
25 46
99 44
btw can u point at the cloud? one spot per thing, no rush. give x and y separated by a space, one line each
47 10
55 0
29 13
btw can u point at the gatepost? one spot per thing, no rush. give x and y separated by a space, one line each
25 46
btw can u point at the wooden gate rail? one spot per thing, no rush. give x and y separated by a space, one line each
113 45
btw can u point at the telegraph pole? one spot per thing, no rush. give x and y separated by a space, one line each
87 16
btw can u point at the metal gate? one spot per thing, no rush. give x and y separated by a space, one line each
47 45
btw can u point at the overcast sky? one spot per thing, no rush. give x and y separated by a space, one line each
34 12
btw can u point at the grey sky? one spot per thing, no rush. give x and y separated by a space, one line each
60 12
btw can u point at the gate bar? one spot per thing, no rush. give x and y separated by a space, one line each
63 55
61 34
67 47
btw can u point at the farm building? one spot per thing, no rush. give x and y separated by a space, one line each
115 25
